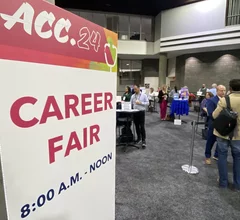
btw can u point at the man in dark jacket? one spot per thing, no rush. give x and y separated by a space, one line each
211 138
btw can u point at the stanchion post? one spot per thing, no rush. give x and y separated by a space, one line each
198 115
192 143
189 168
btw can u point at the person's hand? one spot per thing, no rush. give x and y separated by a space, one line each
205 109
138 102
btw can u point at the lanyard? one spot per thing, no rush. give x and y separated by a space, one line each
138 97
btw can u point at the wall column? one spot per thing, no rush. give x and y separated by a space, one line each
118 76
162 69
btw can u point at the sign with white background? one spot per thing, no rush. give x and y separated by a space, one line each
58 116
153 81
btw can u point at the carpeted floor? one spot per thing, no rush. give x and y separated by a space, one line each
150 184
3 213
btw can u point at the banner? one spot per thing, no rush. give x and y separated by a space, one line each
58 116
36 31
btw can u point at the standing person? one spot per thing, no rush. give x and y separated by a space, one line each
151 97
204 113
173 91
172 94
225 142
132 89
163 99
140 101
151 94
213 90
211 138
203 90
203 107
184 93
168 89
127 95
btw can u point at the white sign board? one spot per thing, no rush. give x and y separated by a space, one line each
126 106
143 89
153 81
58 117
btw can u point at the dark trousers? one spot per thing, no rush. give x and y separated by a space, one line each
211 139
139 121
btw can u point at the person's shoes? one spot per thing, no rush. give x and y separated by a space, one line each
236 190
208 161
223 187
228 186
233 188
144 145
215 158
138 141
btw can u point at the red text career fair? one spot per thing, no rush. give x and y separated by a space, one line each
74 106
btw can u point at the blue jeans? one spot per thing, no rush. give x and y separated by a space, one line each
211 139
223 145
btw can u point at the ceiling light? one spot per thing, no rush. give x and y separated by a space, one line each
127 64
206 6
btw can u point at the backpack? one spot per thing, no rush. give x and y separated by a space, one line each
226 122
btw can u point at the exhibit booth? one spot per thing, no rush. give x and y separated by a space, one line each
58 113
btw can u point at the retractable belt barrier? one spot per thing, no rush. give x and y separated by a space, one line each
189 168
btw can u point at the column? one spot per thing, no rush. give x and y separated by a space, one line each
162 69
171 73
51 1
118 76
118 82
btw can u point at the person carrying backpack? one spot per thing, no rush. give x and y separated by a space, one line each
227 129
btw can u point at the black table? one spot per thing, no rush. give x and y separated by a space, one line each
129 115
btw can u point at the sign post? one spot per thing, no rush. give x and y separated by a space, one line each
57 121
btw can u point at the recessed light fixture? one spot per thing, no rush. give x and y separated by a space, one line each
127 64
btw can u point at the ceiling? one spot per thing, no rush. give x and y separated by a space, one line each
140 7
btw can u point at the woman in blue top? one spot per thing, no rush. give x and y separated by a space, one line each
204 103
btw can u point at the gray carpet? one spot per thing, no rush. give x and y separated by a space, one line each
150 184
3 213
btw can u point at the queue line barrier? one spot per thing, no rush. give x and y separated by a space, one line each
189 168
